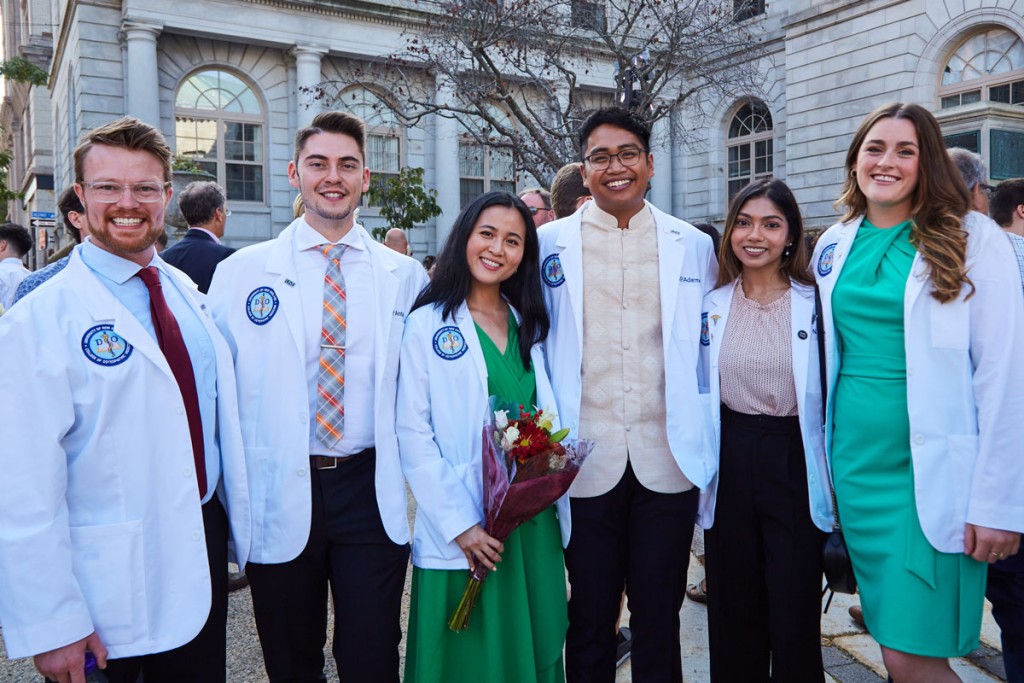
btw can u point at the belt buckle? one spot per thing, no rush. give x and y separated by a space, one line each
332 466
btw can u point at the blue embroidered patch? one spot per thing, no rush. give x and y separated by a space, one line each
261 305
825 260
449 343
104 347
551 271
705 332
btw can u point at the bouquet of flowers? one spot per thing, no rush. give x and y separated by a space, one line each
526 469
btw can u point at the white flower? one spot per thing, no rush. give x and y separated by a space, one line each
509 436
500 419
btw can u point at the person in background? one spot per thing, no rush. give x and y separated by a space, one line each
15 242
1005 589
486 300
395 240
539 202
972 170
922 314
72 213
768 508
203 205
568 193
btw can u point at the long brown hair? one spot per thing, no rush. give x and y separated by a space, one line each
794 264
939 202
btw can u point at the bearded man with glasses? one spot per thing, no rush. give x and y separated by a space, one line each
120 444
623 283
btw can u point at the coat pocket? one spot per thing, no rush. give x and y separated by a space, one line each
108 564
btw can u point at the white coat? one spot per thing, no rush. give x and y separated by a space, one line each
806 379
965 384
442 408
101 527
686 270
273 399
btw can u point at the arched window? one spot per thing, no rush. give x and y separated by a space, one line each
749 146
484 164
383 132
218 122
987 67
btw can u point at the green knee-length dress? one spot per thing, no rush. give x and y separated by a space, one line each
517 629
915 599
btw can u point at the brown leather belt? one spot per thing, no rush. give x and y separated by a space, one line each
326 462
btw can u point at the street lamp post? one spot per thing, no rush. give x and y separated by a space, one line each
630 81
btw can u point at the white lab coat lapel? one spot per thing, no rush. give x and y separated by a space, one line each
570 254
464 319
671 259
801 312
281 263
99 302
385 292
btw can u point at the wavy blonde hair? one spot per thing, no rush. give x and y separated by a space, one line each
939 203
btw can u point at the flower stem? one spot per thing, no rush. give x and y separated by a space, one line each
460 618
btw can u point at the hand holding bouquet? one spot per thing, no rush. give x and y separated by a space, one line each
526 468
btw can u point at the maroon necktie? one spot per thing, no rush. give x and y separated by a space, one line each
168 334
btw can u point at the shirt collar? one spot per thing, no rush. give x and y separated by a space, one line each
195 227
602 219
308 238
112 266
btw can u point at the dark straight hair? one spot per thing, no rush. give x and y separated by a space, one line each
452 281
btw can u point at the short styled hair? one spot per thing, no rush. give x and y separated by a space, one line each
17 237
566 189
619 118
66 203
200 200
544 195
970 165
1008 195
340 122
129 133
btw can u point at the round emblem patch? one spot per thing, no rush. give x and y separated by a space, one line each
261 305
825 260
449 343
103 346
551 271
705 332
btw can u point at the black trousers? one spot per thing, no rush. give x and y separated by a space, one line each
349 549
204 658
763 557
632 538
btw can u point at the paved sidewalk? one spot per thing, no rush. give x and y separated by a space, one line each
851 655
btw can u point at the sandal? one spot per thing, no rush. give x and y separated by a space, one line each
698 592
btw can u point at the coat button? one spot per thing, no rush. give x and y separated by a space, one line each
802 334
919 439
196 535
303 417
301 471
187 472
180 410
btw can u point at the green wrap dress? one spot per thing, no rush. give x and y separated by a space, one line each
517 628
915 599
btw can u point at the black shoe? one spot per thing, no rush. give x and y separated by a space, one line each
623 645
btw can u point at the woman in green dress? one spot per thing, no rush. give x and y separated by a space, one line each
923 311
474 333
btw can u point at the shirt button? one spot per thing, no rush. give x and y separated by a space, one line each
625 305
628 428
627 388
625 346
919 439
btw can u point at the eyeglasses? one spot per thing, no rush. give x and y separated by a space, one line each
987 189
535 209
602 160
227 211
109 193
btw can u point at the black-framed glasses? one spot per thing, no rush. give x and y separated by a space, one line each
602 160
535 209
109 193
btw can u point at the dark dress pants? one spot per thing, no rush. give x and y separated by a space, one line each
349 549
204 658
1006 592
763 557
635 538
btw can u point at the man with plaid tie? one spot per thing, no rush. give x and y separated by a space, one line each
120 449
315 320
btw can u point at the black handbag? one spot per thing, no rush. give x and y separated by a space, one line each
835 556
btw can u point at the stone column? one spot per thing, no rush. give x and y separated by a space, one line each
142 88
446 162
307 77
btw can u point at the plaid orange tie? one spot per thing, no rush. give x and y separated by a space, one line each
330 404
